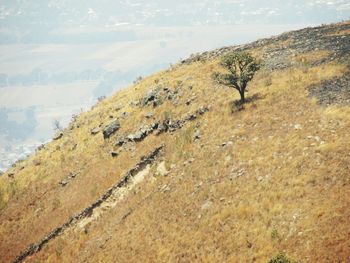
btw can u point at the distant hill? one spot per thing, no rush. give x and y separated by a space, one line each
167 171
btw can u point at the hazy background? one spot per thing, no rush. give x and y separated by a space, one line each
58 56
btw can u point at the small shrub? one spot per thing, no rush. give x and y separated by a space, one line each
137 80
274 234
280 258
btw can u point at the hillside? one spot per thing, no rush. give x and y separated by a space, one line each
165 171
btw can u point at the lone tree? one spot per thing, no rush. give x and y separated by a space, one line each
242 67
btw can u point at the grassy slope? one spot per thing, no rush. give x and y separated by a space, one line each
293 195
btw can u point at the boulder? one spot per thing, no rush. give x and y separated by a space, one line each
110 129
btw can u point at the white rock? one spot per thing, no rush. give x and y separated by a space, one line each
161 169
297 126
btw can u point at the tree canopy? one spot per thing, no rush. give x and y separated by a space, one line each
241 68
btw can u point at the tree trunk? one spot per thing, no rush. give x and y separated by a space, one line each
241 92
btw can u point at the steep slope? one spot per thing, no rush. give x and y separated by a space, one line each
215 185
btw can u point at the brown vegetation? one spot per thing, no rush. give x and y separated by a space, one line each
271 178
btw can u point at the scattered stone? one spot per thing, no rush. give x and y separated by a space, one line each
260 178
120 141
207 204
297 127
11 175
110 129
228 158
165 188
73 147
95 130
149 115
161 169
199 184
36 162
114 153
202 110
124 115
191 160
197 135
135 103
236 173
58 136
118 107
63 183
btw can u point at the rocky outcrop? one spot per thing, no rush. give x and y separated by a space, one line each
151 97
142 133
170 125
34 248
167 125
110 129
156 96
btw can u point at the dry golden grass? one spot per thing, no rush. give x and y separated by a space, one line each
282 185
341 33
307 58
